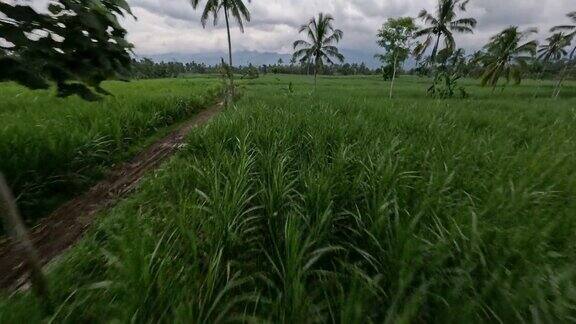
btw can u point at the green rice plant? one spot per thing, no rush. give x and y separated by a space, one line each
343 207
53 149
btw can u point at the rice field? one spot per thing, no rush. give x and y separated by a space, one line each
52 149
339 206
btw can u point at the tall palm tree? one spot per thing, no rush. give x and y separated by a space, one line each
555 49
571 30
506 55
442 25
320 46
235 8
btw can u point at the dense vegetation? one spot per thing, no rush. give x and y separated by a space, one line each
53 148
148 69
347 207
74 44
331 204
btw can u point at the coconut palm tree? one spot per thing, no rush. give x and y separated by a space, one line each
555 49
320 46
235 8
569 29
443 25
570 36
506 55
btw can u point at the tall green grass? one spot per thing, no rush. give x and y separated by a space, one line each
342 207
51 149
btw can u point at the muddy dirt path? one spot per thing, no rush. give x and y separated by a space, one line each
65 226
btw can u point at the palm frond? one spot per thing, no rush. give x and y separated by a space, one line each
334 38
212 8
194 3
468 22
427 17
462 29
563 28
464 4
425 31
301 42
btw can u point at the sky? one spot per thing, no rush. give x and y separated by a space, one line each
172 26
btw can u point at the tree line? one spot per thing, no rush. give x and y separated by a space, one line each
146 68
509 55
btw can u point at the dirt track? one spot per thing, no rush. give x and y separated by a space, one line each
65 226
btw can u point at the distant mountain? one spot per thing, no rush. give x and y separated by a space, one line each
256 58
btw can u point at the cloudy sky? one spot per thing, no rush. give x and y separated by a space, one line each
171 26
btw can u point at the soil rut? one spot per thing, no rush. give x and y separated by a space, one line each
65 226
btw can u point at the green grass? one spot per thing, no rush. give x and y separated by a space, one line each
53 149
342 207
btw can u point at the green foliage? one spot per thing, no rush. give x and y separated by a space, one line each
387 72
77 45
53 148
446 85
213 8
555 49
569 30
506 56
443 24
290 89
148 69
395 38
250 72
351 208
320 47
234 8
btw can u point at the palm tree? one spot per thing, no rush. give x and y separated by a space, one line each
237 9
555 49
322 36
444 24
506 55
571 30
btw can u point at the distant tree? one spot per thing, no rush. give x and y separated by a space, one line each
474 64
322 36
147 69
250 72
77 44
507 55
570 36
442 25
555 48
458 59
280 61
395 37
237 9
569 29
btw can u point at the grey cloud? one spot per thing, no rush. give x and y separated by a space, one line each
172 25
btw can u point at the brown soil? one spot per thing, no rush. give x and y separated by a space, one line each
65 226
